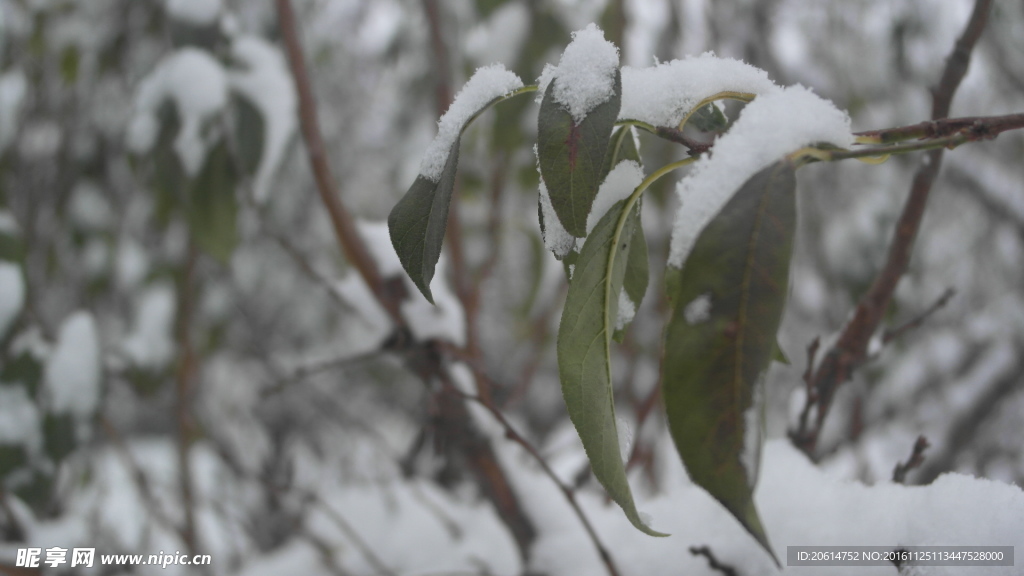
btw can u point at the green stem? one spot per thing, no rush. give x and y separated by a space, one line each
621 223
878 154
510 95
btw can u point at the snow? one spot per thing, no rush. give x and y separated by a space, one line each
196 12
556 238
268 85
800 505
698 310
663 94
149 345
72 373
487 83
585 75
753 433
198 86
12 295
618 185
626 310
132 263
19 418
770 127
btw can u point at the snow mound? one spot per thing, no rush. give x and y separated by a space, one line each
585 75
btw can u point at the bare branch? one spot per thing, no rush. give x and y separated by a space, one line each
713 562
899 473
349 240
512 434
850 349
891 334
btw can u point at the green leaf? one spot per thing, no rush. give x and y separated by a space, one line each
417 223
212 206
727 304
59 435
572 157
249 131
709 118
584 362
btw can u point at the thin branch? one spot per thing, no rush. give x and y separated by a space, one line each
941 128
512 434
899 473
139 477
713 562
891 334
184 395
850 349
351 243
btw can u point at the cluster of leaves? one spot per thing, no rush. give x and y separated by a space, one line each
727 298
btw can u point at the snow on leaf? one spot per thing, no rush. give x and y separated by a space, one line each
664 94
486 85
72 373
584 76
770 127
267 84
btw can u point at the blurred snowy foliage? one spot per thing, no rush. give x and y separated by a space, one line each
139 137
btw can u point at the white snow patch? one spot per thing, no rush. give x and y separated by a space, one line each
198 86
196 12
618 185
663 94
753 433
626 310
487 83
150 345
698 310
585 75
19 418
72 373
268 85
132 263
556 238
625 434
12 294
768 128
8 225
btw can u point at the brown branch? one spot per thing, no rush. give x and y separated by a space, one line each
713 562
891 334
850 349
184 395
348 238
899 473
990 126
512 434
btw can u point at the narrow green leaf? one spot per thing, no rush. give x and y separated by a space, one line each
212 206
621 147
249 133
727 304
417 223
584 362
572 157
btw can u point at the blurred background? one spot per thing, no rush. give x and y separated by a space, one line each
189 363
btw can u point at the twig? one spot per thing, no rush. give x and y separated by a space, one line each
351 243
899 473
139 477
850 349
512 434
941 128
893 333
713 562
184 395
